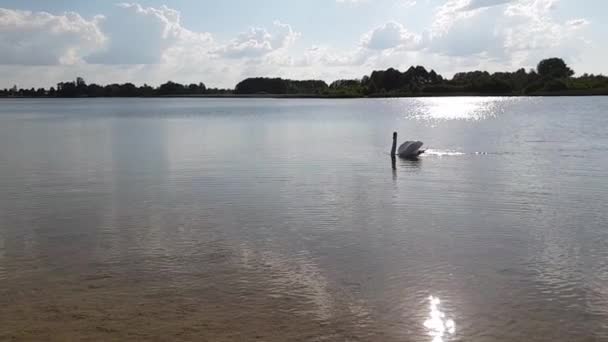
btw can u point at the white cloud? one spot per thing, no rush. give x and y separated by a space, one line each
407 3
477 4
257 42
518 33
577 23
469 34
389 36
30 38
454 10
141 44
132 44
140 35
330 58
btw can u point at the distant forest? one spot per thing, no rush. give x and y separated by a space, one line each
551 77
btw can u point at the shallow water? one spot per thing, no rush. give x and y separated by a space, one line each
275 220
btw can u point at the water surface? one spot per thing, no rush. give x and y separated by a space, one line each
276 220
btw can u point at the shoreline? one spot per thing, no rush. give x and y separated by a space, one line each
603 92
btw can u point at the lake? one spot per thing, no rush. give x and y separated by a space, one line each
285 220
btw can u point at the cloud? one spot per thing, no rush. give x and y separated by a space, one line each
518 33
532 33
328 58
477 4
577 23
471 34
407 3
258 41
142 35
454 10
138 44
141 44
389 36
40 38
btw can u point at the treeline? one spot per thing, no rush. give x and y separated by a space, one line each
551 77
80 88
261 85
379 82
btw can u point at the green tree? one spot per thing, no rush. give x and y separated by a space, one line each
554 68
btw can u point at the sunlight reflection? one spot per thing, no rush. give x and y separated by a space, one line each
458 108
442 153
438 326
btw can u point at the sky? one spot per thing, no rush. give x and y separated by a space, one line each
222 42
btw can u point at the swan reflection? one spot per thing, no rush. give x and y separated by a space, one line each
439 327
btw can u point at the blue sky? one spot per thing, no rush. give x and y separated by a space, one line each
221 42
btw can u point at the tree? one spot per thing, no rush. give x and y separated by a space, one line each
553 75
67 89
94 90
263 85
555 85
554 68
171 88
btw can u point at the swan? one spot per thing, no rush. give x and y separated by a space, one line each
409 149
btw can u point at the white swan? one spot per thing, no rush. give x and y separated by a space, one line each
409 149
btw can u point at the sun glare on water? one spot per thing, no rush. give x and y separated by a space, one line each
439 327
458 108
